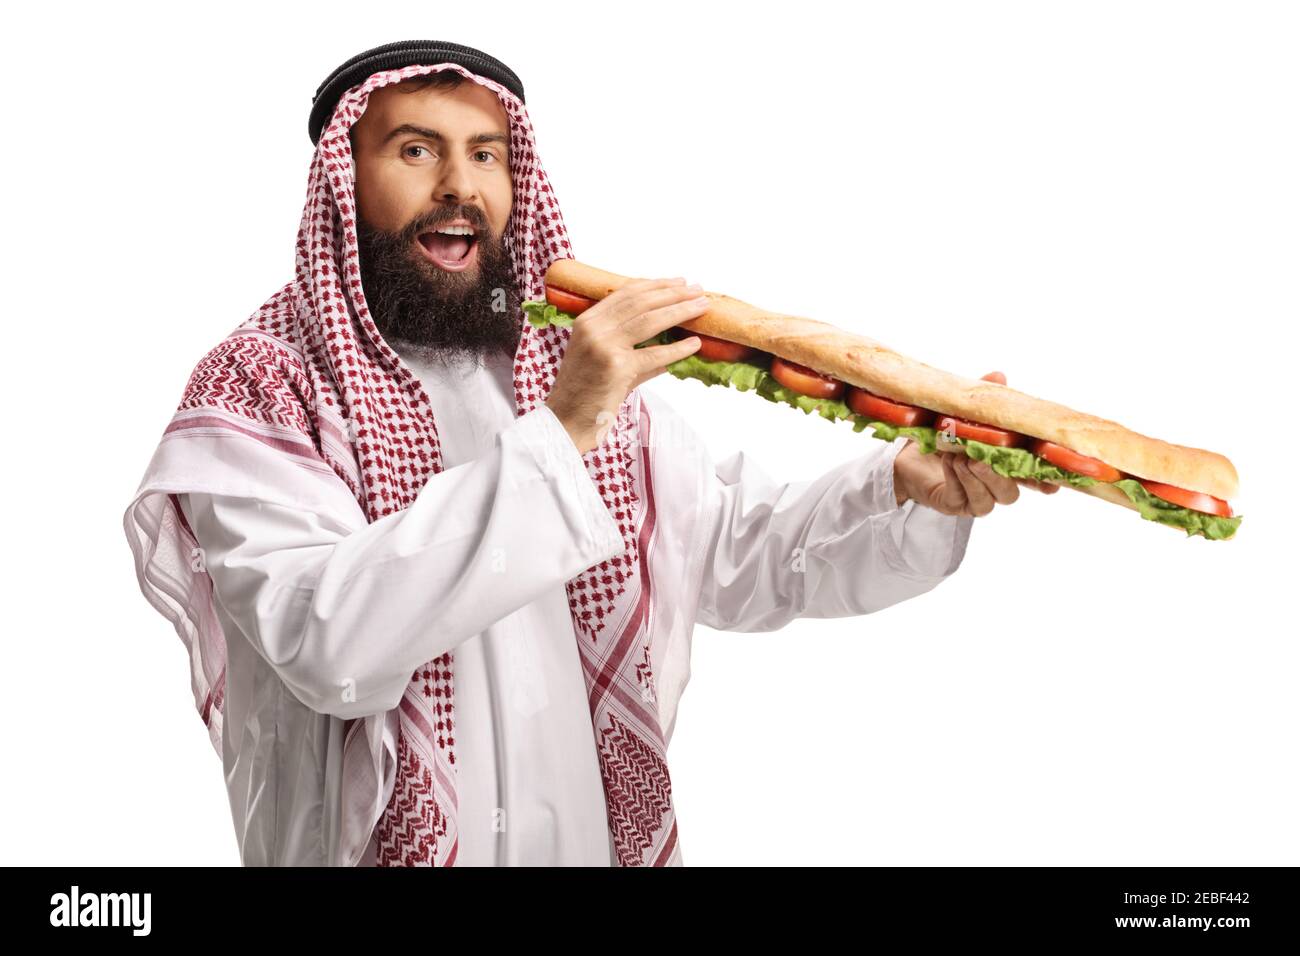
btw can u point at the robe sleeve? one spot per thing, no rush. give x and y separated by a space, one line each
833 547
332 602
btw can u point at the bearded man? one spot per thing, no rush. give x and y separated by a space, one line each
436 570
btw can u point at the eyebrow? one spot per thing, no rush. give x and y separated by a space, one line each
433 134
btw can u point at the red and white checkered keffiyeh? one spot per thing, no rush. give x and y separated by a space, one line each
310 376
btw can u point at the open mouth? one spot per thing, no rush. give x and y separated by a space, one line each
447 251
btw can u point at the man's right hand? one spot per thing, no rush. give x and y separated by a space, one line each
602 364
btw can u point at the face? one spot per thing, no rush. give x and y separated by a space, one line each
430 159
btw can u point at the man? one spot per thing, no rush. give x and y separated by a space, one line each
438 570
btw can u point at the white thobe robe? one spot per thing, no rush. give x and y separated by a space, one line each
476 565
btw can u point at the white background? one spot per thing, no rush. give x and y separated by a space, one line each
1100 200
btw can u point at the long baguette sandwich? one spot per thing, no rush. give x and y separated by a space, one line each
816 367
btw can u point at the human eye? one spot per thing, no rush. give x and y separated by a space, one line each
412 146
486 152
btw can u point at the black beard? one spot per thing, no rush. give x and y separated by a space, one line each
444 315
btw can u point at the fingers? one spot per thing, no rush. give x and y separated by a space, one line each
630 290
1046 487
638 287
998 489
633 298
649 283
984 487
979 496
1004 490
953 499
653 359
659 309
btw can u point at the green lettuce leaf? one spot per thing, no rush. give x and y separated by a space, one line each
1008 462
1022 463
1166 512
542 313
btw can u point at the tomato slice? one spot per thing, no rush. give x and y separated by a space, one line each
884 410
1195 500
715 349
1063 457
804 380
988 434
569 302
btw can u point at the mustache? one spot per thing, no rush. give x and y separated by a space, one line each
471 214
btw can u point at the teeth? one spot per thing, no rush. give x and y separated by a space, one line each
456 231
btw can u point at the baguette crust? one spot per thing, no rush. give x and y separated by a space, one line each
868 364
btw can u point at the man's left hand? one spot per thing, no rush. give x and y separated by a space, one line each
955 484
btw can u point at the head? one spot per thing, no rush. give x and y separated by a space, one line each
432 151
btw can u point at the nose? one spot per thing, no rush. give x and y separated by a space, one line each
454 185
